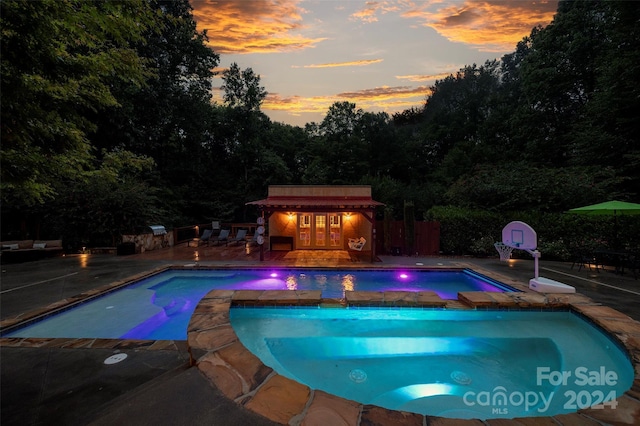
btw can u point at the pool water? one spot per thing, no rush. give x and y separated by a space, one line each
457 364
160 307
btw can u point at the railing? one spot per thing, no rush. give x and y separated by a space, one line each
184 233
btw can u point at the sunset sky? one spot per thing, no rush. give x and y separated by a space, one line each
380 55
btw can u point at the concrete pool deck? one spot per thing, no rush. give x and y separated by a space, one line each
156 385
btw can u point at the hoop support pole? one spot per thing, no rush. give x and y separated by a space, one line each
536 256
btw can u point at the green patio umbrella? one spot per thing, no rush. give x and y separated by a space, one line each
609 208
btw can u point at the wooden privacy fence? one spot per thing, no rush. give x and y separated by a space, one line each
426 241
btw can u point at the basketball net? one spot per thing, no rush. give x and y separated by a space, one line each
504 251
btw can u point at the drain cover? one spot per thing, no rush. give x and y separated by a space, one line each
461 377
358 375
114 359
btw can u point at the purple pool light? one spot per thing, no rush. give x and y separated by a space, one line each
404 276
273 275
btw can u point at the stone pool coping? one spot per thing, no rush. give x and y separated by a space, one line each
242 377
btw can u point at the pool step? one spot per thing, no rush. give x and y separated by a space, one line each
177 305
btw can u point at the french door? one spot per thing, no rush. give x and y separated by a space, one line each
319 230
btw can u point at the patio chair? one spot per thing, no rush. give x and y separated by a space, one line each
215 226
357 243
583 259
240 236
223 237
632 263
204 238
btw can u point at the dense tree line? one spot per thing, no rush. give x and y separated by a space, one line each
108 125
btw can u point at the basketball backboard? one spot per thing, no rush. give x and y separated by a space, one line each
519 235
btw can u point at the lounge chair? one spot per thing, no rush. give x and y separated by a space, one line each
204 238
206 235
240 236
357 243
223 237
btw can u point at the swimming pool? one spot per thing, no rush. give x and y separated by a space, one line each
159 307
448 363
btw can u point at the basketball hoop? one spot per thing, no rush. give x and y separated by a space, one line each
504 251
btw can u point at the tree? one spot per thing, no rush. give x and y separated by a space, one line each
383 149
168 118
58 60
112 200
458 106
287 142
339 148
606 133
246 134
558 77
455 115
242 89
528 187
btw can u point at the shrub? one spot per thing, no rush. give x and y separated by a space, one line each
473 232
460 227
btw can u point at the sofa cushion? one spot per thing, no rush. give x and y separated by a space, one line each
39 245
50 243
25 244
10 246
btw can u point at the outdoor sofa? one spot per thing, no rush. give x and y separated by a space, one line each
27 250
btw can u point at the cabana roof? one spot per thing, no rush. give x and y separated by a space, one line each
327 198
315 203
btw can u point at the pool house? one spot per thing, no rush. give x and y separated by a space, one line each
319 217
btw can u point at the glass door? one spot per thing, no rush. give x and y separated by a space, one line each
304 230
321 230
335 230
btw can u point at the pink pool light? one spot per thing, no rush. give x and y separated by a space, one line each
273 275
404 276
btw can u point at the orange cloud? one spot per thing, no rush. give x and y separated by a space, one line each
342 64
489 25
424 77
385 98
260 26
256 26
218 71
371 10
385 93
